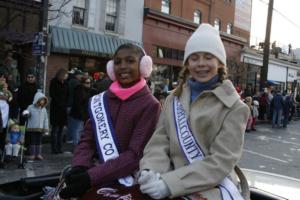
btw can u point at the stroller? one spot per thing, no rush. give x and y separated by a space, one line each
21 153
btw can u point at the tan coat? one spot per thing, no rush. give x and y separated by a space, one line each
218 120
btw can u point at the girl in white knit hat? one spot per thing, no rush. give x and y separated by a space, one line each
199 138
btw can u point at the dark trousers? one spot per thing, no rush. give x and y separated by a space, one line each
35 138
56 139
2 138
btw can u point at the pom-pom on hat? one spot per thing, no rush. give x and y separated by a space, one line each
205 39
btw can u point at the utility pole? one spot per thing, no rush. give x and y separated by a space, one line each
42 59
264 69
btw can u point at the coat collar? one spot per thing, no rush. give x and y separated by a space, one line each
144 91
225 92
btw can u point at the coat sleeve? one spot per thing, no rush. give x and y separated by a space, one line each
46 121
128 160
156 152
85 150
223 155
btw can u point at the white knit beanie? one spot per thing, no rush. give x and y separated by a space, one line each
205 39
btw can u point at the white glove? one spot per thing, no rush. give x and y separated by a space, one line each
25 112
147 177
156 189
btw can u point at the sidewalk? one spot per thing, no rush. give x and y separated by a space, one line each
52 163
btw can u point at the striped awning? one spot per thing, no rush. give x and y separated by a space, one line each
72 41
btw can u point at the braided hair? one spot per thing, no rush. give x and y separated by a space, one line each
184 74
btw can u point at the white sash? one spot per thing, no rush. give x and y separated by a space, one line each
193 151
105 133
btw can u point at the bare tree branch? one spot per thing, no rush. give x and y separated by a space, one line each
59 10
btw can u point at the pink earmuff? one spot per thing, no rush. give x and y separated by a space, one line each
110 70
145 67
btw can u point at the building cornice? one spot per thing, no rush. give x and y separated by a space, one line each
186 24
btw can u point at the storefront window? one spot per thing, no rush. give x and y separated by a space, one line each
164 52
89 64
163 75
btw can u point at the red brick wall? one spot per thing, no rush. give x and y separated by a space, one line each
155 33
224 11
219 9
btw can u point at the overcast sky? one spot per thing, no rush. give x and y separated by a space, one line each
283 30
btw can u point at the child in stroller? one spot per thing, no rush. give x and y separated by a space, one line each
14 140
14 143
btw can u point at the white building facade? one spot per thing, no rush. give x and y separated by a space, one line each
85 33
282 74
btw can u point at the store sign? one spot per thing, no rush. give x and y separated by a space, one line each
38 44
292 75
252 61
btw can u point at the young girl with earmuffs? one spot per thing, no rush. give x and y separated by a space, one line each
121 121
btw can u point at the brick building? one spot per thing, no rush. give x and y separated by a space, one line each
168 25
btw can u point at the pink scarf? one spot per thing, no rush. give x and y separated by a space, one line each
125 93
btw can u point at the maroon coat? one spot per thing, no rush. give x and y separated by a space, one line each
134 121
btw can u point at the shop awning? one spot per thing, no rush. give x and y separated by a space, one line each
70 41
270 82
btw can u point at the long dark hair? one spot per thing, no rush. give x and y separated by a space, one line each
60 73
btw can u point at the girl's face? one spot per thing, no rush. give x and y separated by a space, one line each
41 102
203 66
126 67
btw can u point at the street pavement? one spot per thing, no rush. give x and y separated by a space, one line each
267 149
52 163
273 150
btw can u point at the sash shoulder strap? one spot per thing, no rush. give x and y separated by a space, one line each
106 140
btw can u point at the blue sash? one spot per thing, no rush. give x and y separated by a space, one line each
105 136
192 150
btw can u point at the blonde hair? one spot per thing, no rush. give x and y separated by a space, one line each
13 125
184 74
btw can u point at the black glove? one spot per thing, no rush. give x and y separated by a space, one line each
77 185
73 171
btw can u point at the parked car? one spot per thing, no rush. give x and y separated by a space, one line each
263 186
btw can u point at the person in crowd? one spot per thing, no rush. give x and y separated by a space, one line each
248 92
248 101
58 91
277 104
200 133
14 139
85 74
255 108
270 92
263 103
238 89
26 92
125 115
287 108
13 81
73 82
37 125
5 98
79 110
103 83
